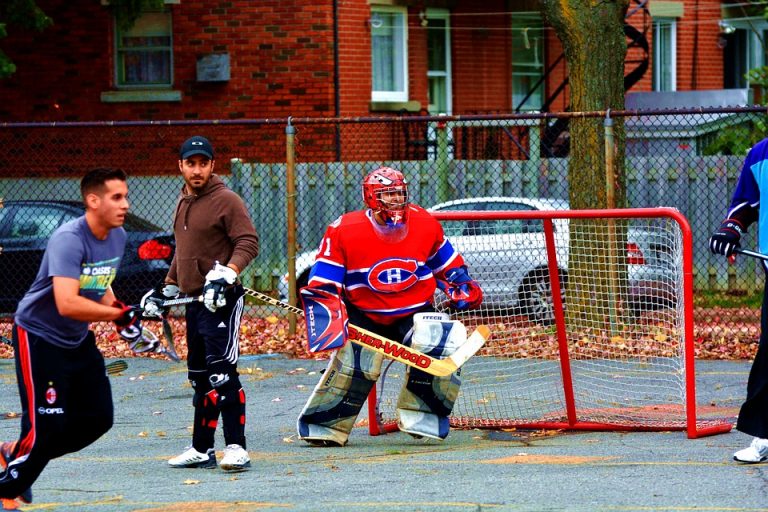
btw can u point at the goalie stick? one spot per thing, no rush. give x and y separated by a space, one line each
397 351
112 368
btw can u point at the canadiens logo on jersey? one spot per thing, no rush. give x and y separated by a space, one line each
50 395
393 275
385 280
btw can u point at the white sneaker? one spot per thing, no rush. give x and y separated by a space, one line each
756 452
194 459
235 458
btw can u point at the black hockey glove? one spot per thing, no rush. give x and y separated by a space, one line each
726 239
152 301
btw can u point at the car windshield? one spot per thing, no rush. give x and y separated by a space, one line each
134 223
41 219
490 227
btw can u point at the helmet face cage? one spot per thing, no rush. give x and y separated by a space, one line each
385 191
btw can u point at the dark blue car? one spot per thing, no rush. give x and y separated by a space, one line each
25 227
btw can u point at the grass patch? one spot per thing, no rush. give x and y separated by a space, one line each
727 300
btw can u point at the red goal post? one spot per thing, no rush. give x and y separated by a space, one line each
622 360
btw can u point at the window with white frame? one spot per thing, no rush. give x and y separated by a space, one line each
527 61
664 75
744 41
144 52
389 53
439 61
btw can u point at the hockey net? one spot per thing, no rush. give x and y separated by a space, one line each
611 350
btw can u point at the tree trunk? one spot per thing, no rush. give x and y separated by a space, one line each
592 34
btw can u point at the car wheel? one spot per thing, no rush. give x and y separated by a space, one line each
536 296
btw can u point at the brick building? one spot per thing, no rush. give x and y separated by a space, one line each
241 59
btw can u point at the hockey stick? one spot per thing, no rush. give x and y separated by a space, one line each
151 343
170 350
112 368
168 330
747 252
168 334
397 351
178 302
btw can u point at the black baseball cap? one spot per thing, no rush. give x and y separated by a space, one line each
196 145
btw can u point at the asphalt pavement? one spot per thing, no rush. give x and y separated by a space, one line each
473 470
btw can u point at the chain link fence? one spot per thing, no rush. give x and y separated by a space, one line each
687 159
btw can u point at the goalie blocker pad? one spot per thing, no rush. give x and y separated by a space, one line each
425 402
325 317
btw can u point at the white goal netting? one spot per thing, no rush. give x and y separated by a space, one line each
616 355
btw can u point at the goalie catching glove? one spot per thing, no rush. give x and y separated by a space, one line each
129 328
326 318
152 301
216 282
462 291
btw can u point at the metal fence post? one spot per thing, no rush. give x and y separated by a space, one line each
610 202
610 155
242 183
533 165
442 157
290 175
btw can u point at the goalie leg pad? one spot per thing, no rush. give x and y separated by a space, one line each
425 402
330 412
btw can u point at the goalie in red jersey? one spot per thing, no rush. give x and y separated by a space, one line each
378 268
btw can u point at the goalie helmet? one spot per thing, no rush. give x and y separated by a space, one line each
385 192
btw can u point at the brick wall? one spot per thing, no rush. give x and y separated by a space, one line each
281 63
699 59
553 50
481 58
354 57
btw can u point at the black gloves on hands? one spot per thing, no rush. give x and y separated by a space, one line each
152 301
726 239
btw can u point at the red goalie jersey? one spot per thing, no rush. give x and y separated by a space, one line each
385 280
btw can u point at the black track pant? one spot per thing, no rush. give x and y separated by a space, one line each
213 351
66 403
753 417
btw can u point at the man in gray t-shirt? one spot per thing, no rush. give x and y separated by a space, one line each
74 252
65 394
